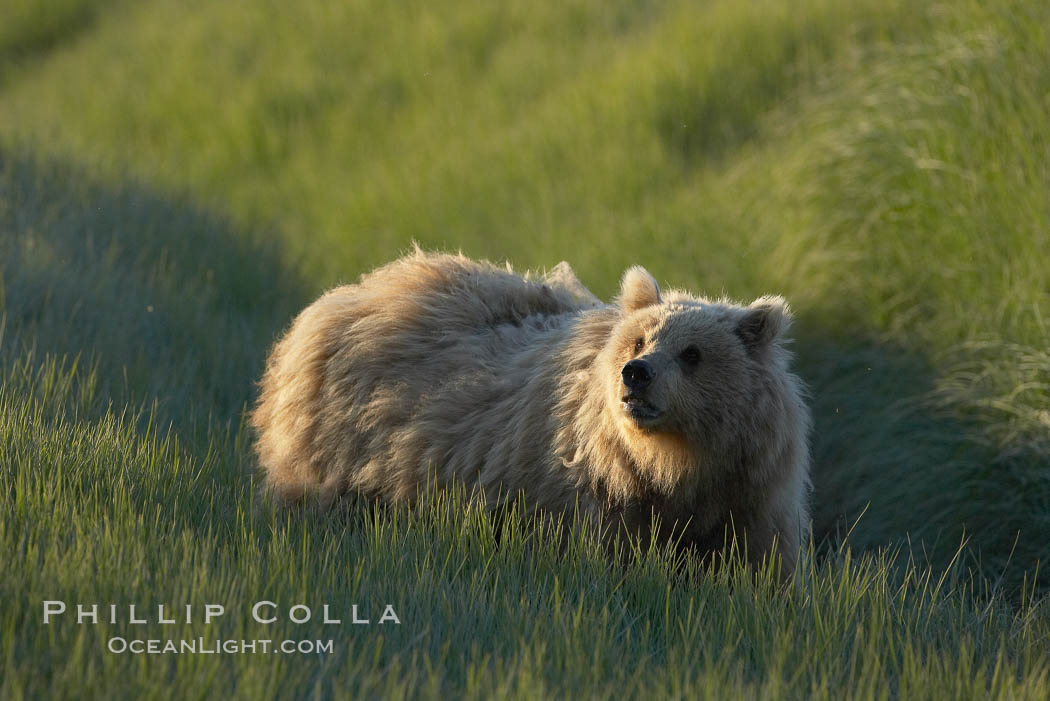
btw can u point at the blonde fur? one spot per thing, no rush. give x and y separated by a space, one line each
437 368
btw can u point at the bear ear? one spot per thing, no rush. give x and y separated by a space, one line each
638 289
766 320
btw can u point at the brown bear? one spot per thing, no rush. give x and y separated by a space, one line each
436 368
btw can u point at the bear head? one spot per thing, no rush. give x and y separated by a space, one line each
691 385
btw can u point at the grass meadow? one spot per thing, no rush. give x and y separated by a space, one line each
178 178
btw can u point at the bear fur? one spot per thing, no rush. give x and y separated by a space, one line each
436 368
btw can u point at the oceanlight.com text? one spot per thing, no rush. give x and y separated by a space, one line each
201 646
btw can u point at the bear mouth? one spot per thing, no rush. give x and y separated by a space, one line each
639 409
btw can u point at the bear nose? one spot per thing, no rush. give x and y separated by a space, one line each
637 374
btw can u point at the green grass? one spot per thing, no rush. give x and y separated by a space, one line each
177 179
129 515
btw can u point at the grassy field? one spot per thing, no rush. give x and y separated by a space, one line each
177 179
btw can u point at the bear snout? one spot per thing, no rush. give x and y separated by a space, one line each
637 375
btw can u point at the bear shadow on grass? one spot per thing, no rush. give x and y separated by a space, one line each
169 301
171 306
891 469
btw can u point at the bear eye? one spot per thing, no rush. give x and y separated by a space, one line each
690 356
639 344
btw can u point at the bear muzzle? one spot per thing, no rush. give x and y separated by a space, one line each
637 375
